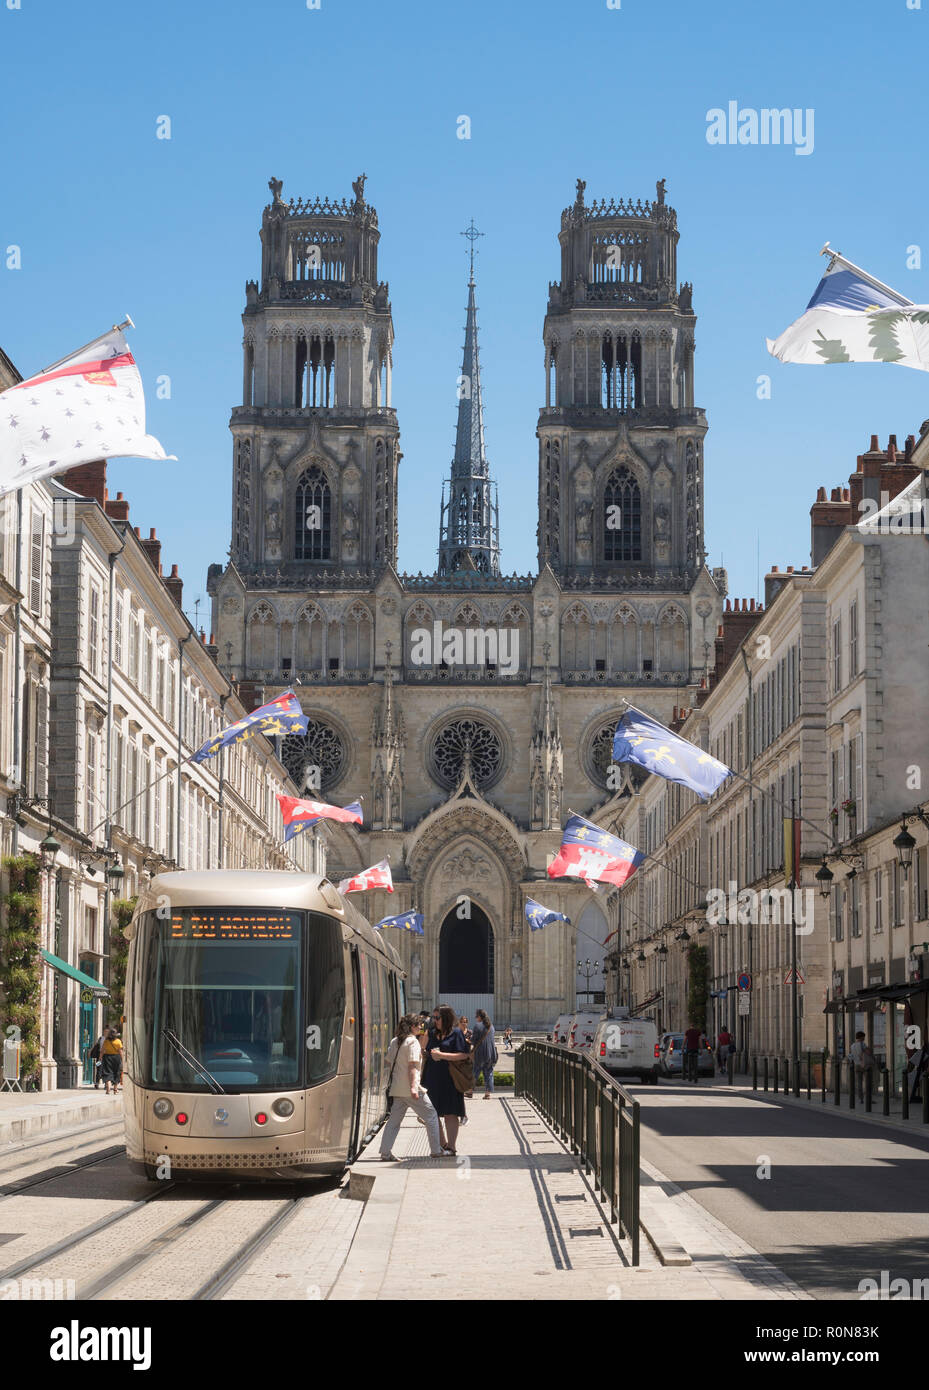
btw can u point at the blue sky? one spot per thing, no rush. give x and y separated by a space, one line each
112 220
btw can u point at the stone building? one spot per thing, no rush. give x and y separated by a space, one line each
469 708
816 698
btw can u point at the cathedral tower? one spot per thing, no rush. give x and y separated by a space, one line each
620 439
315 438
469 533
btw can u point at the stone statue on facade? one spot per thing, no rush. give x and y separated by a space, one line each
358 188
416 973
275 186
516 972
660 189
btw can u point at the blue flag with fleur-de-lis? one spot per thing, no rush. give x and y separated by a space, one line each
639 739
282 715
538 916
407 921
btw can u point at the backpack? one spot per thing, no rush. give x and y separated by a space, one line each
95 1051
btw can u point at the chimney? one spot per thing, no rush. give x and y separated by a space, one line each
88 479
174 585
774 582
827 521
212 648
152 548
117 507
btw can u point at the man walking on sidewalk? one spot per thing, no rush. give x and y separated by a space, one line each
863 1058
693 1041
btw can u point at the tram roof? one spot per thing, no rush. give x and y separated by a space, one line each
260 888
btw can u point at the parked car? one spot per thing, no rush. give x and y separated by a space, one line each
671 1059
562 1027
583 1027
627 1046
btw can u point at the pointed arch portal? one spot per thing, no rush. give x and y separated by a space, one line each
466 953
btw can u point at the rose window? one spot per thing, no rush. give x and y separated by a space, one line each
479 741
321 747
600 759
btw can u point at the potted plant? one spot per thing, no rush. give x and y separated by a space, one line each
850 808
834 815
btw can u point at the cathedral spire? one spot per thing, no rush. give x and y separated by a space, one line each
469 524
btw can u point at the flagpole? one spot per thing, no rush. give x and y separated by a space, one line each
117 328
18 665
878 284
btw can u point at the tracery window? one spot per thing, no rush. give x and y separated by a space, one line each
448 753
313 516
622 520
320 747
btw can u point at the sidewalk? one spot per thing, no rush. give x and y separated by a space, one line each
528 1213
913 1126
25 1115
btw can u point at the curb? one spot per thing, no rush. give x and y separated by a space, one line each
654 1214
47 1120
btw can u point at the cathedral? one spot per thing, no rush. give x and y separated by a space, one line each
471 710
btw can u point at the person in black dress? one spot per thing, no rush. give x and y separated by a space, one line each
445 1044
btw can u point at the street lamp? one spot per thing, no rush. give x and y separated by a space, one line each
587 970
824 878
48 849
115 873
904 844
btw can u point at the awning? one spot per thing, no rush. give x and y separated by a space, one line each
653 999
857 1003
893 992
87 982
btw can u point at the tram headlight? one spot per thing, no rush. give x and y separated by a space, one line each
163 1108
283 1107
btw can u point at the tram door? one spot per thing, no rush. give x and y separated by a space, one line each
358 1087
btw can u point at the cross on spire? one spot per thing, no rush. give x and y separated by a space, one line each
472 234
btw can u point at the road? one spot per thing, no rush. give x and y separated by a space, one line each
844 1199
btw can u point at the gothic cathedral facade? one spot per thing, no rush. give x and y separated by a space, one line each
468 757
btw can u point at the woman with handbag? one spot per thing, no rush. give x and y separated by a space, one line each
404 1062
449 1073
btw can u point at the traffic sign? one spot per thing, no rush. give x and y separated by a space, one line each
790 975
745 981
744 1002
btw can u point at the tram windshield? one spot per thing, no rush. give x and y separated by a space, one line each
236 987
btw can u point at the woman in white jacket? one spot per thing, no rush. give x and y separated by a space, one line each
405 1063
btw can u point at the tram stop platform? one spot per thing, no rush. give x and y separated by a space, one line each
37 1114
517 1208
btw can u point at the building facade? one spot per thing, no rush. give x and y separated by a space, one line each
469 708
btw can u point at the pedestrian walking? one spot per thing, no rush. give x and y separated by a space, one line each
446 1049
111 1052
405 1089
693 1041
96 1055
919 1065
484 1054
508 1038
863 1058
723 1048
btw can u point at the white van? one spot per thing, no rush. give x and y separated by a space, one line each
561 1029
627 1046
583 1028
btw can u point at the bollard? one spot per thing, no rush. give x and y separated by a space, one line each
730 1066
796 1066
851 1085
766 1073
925 1086
837 1080
905 1099
754 1073
868 1088
809 1075
822 1075
776 1087
885 1085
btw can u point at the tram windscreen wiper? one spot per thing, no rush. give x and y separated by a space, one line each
192 1061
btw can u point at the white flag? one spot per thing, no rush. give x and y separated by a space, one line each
854 318
88 406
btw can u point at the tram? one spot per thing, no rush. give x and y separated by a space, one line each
259 1010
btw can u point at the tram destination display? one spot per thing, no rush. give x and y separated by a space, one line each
221 924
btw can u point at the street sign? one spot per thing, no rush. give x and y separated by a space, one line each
744 1002
788 978
745 981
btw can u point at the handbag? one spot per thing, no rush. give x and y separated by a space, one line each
462 1075
389 1098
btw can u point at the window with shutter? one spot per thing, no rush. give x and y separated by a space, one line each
36 562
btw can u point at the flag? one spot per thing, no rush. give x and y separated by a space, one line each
593 854
639 739
408 921
378 876
87 406
300 814
854 318
538 916
282 715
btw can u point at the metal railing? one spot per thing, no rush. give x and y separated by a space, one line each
595 1117
811 1074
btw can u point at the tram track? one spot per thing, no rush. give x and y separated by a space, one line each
22 1185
